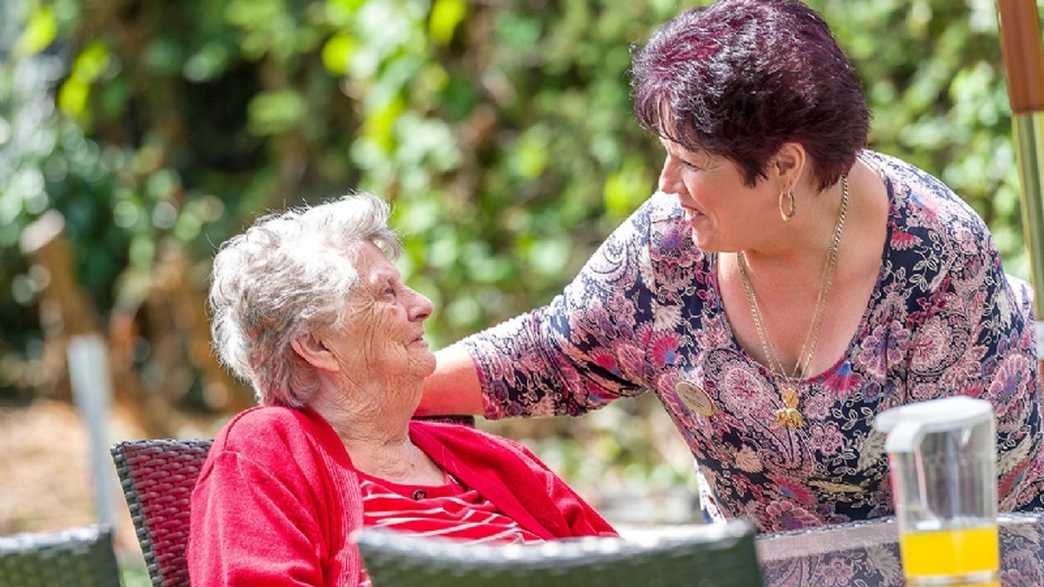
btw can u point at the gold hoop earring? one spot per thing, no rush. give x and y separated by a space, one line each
788 212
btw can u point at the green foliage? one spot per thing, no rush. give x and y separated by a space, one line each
501 132
935 80
40 30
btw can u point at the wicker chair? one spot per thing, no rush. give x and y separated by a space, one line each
157 478
718 556
79 557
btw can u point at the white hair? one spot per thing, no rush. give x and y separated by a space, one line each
287 274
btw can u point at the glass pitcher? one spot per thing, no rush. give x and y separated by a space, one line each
942 455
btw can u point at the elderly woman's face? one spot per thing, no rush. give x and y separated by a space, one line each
725 214
384 331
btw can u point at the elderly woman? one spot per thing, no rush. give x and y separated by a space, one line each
309 308
783 287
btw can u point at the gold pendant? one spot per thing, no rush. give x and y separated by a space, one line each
788 416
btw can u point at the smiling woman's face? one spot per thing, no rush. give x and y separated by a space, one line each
383 336
724 213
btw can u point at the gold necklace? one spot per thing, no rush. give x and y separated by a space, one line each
789 416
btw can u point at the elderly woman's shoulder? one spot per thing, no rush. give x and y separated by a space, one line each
261 426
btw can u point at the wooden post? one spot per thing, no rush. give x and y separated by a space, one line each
1024 63
91 381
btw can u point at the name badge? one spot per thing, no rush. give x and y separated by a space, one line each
695 398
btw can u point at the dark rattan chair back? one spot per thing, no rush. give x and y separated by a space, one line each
79 557
157 478
719 556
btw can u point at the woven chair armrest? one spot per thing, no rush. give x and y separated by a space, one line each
78 556
722 554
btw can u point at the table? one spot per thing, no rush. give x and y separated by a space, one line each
866 554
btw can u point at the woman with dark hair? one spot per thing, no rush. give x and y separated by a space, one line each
783 287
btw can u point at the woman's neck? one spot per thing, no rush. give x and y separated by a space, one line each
373 423
795 256
799 247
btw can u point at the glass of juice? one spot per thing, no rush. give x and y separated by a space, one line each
942 460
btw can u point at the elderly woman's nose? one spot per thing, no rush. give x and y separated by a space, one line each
421 308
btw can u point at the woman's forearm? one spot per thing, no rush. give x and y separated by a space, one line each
454 387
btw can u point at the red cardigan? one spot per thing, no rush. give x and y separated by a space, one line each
278 497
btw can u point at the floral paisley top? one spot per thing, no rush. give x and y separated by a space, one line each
645 313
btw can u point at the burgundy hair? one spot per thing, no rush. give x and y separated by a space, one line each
741 77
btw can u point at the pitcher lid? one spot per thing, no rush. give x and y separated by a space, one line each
906 425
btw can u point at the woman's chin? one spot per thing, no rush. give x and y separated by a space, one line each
705 241
423 367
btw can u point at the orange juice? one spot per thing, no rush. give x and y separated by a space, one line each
953 552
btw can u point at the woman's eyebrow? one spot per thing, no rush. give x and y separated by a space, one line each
382 279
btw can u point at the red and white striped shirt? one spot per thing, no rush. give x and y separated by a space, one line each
450 511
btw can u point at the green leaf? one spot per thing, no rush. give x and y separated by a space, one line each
275 112
337 53
627 188
463 311
72 98
39 32
549 257
254 14
380 122
208 63
445 16
163 56
91 62
529 157
342 12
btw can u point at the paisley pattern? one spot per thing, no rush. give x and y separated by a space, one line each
645 314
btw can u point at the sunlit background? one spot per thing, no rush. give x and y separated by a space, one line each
137 135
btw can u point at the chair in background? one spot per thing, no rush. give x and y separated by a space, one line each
720 555
78 557
157 477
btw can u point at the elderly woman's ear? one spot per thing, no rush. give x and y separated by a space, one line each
314 352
